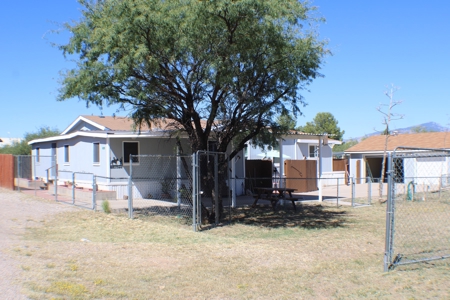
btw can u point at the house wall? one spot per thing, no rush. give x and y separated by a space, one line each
352 164
147 146
45 159
83 126
297 151
289 148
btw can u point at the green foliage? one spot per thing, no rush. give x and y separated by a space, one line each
22 147
345 145
324 122
106 207
236 64
287 121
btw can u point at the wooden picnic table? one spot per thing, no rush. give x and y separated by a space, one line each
274 195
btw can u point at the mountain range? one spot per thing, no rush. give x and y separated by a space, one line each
425 127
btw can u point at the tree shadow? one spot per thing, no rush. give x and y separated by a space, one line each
307 216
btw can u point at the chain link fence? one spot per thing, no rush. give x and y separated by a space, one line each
160 185
418 212
211 189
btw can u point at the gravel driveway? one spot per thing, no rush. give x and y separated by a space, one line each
17 212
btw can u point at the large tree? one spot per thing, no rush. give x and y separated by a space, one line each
324 122
222 70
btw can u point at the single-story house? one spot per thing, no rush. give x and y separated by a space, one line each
102 145
365 158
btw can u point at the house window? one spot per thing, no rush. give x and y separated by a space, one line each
313 151
96 153
130 148
66 154
38 153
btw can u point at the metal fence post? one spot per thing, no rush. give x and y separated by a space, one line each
18 172
55 182
94 192
73 188
194 191
130 189
216 187
353 191
337 194
389 219
369 190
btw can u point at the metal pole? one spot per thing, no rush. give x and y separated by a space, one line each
55 182
231 193
18 172
94 192
194 192
178 193
353 191
130 189
369 190
337 196
73 188
216 187
389 221
34 174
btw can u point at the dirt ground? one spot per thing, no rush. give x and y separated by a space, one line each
17 212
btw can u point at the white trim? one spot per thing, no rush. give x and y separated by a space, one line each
104 135
308 141
81 118
316 152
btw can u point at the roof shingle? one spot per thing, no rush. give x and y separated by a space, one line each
439 140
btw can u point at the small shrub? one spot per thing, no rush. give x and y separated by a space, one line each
105 206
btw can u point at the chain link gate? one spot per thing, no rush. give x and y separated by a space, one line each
418 208
160 185
211 188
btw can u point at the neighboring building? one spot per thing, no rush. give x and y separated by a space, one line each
300 146
102 145
365 158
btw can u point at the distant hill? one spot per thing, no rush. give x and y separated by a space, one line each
430 126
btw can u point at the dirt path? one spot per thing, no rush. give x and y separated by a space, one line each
17 212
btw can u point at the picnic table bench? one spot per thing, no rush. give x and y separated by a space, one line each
274 195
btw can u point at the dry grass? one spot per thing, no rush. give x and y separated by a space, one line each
318 252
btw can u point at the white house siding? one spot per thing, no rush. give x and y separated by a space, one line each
45 160
289 148
83 126
352 164
430 170
153 169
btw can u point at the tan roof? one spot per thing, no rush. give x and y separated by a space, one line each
127 124
418 140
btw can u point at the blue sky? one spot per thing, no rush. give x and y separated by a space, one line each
374 44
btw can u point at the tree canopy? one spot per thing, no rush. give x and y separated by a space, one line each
324 122
22 147
222 70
